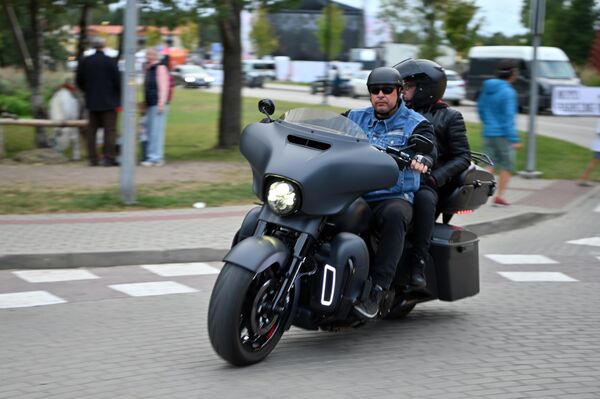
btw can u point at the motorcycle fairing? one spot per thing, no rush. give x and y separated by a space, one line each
329 179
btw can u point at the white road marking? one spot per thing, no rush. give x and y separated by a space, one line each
181 269
153 288
593 241
28 299
597 209
53 275
537 276
521 259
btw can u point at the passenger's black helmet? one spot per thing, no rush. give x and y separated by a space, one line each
430 77
384 76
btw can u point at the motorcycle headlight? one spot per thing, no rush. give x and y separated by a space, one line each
283 197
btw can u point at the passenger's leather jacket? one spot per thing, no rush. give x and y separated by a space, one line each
453 151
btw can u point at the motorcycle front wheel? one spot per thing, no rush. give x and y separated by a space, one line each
242 327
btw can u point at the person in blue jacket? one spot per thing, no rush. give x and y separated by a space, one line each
497 106
388 122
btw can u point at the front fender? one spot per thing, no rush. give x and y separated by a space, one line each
257 253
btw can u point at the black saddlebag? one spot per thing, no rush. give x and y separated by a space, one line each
468 191
456 255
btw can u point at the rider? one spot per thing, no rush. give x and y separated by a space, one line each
389 122
424 83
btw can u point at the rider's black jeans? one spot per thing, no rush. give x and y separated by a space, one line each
391 219
423 220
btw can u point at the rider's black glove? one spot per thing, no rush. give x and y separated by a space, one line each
425 160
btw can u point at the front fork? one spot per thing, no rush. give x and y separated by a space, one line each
298 256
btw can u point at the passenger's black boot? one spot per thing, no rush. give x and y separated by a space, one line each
417 274
370 307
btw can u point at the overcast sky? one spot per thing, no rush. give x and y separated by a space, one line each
500 16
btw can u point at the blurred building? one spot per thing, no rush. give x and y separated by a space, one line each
296 30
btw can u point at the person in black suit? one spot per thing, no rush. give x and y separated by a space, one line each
99 78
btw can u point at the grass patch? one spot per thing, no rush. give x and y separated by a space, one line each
159 196
556 159
192 126
192 135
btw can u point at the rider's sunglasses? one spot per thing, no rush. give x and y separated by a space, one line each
384 89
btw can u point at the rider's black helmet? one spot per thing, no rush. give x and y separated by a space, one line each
430 77
384 76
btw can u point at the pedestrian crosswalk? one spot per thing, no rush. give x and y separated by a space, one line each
181 269
54 275
508 259
537 276
153 288
28 299
51 277
165 276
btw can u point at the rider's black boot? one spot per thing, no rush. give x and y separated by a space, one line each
417 275
370 307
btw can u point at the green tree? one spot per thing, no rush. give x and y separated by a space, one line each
432 21
164 13
568 25
499 39
262 35
458 25
189 35
153 36
407 36
432 11
330 26
226 15
583 15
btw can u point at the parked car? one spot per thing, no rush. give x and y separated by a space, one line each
358 82
189 75
455 89
251 79
322 83
216 70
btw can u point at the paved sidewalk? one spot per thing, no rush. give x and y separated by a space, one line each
189 235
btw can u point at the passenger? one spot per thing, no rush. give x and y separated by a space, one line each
389 122
424 83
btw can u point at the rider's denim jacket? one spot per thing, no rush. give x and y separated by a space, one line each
393 131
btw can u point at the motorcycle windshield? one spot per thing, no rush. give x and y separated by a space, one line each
328 121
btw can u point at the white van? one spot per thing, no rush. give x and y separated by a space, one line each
554 69
262 68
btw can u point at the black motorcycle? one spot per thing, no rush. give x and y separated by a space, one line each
302 258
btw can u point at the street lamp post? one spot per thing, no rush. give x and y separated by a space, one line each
327 49
538 8
127 189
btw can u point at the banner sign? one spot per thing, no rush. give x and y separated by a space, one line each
576 100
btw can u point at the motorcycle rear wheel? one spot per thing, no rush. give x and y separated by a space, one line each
242 328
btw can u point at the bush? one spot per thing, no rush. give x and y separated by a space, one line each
15 94
589 76
17 104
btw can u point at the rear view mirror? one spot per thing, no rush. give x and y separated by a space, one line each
266 106
420 144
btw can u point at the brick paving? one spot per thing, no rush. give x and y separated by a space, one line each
513 340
